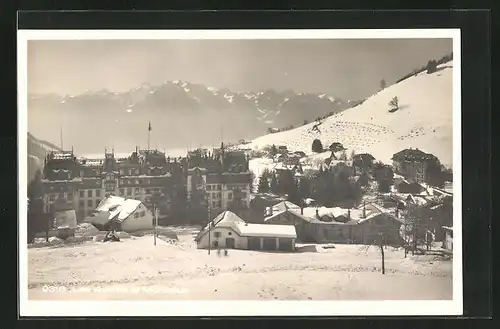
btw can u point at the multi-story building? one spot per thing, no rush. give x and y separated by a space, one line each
219 180
413 163
80 184
223 176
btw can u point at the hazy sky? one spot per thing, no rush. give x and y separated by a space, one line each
350 69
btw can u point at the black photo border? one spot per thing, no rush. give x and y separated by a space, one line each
476 108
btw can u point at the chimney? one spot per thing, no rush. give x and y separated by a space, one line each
302 210
364 210
349 214
317 213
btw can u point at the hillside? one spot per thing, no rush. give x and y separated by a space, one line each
423 120
181 113
37 150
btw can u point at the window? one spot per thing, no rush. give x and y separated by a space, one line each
143 213
217 234
219 187
90 203
82 204
122 191
219 195
137 182
121 181
137 190
136 215
52 197
230 195
89 193
214 204
137 171
209 187
129 191
82 194
219 204
97 193
130 172
229 233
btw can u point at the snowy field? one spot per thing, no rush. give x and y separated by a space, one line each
424 120
135 269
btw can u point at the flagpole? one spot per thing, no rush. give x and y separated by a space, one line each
149 134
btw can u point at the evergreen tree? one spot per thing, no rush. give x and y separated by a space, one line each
317 146
274 150
394 103
382 84
264 181
431 66
274 184
304 187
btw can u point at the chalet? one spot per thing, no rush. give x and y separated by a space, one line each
128 215
292 216
362 162
360 225
413 163
227 230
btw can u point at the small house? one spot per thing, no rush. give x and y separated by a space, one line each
128 215
293 217
227 230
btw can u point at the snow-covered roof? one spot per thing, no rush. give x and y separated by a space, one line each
324 211
230 220
290 211
119 208
266 230
285 205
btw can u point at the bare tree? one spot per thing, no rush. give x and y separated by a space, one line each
381 246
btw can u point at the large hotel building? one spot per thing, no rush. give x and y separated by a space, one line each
221 177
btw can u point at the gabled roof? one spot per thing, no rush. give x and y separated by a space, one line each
230 220
119 208
285 205
292 213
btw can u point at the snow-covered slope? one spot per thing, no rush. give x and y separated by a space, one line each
424 121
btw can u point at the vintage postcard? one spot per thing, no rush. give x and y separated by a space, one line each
239 172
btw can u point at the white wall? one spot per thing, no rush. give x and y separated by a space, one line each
132 224
239 242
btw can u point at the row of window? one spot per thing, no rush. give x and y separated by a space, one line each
90 193
137 191
214 187
89 203
138 214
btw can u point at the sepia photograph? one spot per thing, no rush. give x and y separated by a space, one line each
308 172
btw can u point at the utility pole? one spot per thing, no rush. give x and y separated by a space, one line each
156 224
382 251
209 227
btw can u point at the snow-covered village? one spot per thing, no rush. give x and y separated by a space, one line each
354 203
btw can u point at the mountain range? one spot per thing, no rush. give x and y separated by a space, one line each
181 114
